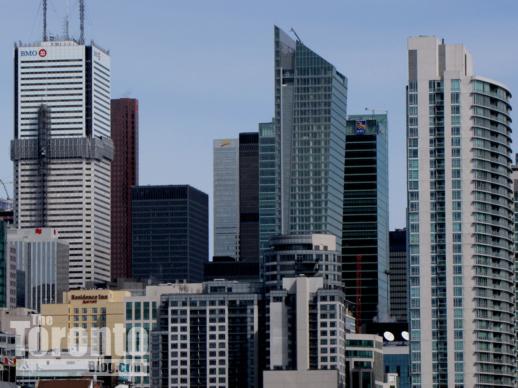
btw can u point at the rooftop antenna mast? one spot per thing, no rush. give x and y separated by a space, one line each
45 36
296 35
67 24
82 21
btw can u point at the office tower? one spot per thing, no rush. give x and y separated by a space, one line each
398 268
124 126
7 269
170 236
365 217
226 198
41 266
209 338
309 130
249 196
236 197
460 221
62 150
306 335
302 255
269 210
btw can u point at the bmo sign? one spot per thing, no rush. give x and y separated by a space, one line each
33 53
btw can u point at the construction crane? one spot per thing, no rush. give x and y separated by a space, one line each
5 188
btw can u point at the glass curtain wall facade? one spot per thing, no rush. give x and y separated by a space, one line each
170 236
249 196
269 195
226 197
460 221
309 125
365 217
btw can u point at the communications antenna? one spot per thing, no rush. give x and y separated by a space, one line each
45 36
82 21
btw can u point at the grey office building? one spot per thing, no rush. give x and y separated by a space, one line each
308 153
236 197
398 269
210 338
365 217
169 233
226 197
41 266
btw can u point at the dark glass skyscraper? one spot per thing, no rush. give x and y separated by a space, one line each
398 268
365 217
124 176
169 233
308 154
249 196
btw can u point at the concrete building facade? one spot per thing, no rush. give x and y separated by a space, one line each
306 334
62 150
41 266
209 338
460 221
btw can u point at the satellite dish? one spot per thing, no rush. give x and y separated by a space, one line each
388 336
405 335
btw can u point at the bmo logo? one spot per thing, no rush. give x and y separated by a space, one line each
33 53
28 53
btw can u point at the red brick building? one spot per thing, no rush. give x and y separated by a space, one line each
124 120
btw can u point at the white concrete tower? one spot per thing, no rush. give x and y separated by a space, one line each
62 150
460 221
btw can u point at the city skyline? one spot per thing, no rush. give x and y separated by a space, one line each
168 108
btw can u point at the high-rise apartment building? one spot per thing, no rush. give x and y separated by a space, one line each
308 153
209 338
515 199
41 266
226 198
170 233
141 318
306 335
365 247
398 269
124 127
460 221
62 150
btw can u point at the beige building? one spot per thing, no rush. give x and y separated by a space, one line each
87 322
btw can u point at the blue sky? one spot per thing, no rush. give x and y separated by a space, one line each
204 69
